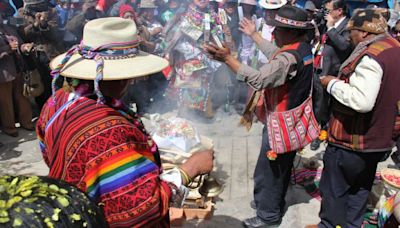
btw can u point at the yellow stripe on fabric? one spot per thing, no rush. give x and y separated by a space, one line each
103 170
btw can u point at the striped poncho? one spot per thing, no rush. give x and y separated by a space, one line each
108 154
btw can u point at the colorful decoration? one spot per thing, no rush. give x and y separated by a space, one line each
323 135
272 155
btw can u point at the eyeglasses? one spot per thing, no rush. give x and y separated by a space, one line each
396 32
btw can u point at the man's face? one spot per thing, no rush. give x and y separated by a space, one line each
247 10
230 8
148 14
357 36
129 15
397 31
335 13
201 4
270 14
283 36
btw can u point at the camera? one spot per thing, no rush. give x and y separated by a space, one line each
319 15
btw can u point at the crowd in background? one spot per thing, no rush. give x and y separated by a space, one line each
40 30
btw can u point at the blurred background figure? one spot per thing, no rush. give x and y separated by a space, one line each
197 83
87 13
247 47
170 12
42 35
115 9
12 101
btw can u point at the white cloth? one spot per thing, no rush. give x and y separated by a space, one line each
362 90
173 176
266 33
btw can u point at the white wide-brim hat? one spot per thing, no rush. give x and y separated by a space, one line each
272 4
103 32
248 2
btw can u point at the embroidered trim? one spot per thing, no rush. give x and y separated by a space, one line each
292 22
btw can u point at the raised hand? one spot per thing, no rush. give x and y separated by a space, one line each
218 53
247 26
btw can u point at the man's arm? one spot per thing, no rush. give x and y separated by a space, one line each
265 46
362 90
340 41
270 75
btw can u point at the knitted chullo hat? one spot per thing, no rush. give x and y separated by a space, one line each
368 20
125 9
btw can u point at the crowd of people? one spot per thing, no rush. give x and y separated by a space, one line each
93 67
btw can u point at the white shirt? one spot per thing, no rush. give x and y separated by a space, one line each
362 90
337 23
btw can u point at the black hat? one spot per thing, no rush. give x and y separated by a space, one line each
291 17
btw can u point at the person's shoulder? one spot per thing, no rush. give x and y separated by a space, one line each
343 25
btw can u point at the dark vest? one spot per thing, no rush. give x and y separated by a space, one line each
372 131
296 90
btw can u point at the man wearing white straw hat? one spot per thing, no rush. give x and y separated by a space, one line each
91 140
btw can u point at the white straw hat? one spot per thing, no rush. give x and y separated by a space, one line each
248 2
147 4
112 45
272 4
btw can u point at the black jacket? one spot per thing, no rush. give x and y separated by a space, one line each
339 40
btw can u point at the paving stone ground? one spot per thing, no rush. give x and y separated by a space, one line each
236 152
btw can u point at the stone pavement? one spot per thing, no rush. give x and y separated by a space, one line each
236 152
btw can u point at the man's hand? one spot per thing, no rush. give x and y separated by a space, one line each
218 53
330 22
247 26
326 79
199 163
27 48
41 19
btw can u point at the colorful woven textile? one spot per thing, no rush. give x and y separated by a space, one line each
107 153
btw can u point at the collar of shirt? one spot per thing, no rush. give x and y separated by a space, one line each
339 22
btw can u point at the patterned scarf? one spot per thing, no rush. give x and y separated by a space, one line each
360 48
